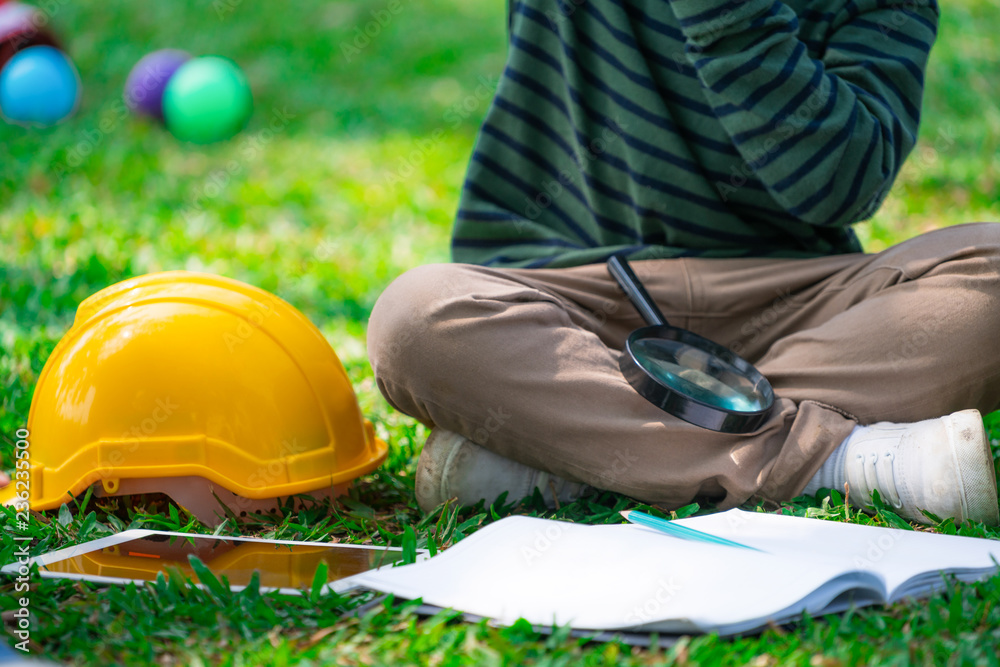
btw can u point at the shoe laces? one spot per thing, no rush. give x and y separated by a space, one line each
878 473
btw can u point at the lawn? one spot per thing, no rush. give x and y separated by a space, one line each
359 182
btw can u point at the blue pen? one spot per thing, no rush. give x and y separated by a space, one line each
677 530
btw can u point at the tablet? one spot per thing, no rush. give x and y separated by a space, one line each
282 565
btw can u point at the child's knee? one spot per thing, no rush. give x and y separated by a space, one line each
400 327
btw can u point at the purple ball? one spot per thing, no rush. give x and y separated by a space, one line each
146 81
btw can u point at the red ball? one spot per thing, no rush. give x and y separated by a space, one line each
22 26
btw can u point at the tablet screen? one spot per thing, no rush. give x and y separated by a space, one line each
289 566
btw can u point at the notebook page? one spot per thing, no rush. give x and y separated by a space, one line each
606 577
897 555
852 589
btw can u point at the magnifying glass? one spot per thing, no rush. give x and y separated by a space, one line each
687 375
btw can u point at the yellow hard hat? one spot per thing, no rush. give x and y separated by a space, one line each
179 376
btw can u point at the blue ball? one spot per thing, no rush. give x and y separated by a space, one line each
39 86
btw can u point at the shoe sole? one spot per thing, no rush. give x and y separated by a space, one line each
435 459
973 460
437 480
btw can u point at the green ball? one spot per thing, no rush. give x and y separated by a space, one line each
207 99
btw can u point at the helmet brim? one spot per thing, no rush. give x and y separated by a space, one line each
8 494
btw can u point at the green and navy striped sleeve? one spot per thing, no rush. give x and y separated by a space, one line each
845 122
712 128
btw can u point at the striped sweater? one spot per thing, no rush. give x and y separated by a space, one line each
711 128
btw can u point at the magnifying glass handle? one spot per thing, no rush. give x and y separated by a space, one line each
637 294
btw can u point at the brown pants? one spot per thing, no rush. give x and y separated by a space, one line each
525 362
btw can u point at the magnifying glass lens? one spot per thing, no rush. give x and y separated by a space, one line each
698 374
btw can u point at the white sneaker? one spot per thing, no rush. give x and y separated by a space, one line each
940 465
452 466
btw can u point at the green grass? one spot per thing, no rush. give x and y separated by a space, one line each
357 186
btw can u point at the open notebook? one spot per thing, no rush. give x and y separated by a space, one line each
628 577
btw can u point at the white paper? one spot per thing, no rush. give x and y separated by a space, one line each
618 577
897 555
